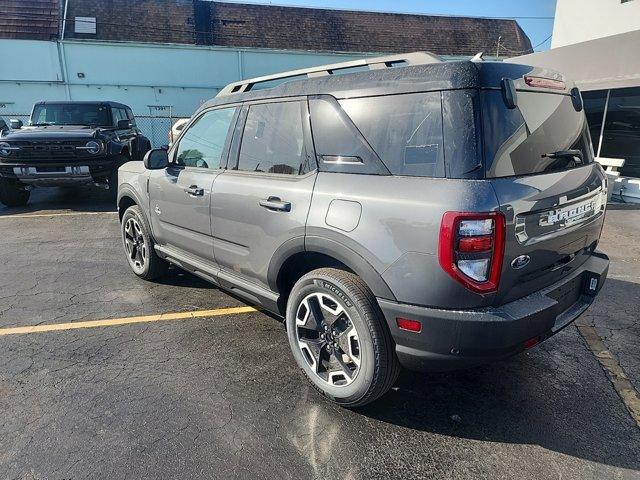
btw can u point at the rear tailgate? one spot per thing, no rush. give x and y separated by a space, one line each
540 162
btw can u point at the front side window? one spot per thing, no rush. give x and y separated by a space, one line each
71 114
203 145
273 140
119 114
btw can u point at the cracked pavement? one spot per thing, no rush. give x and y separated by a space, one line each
220 397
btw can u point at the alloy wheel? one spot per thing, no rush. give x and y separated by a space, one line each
328 339
135 244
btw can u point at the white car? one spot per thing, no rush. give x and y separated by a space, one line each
176 129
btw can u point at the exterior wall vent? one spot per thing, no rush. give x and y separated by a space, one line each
85 25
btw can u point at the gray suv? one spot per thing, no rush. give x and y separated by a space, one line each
395 211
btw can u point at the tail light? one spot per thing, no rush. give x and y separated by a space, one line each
543 82
472 247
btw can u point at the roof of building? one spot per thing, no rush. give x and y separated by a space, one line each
265 26
270 26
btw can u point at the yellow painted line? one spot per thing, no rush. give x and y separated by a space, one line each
65 214
111 322
621 384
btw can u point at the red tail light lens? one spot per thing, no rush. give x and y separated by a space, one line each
471 248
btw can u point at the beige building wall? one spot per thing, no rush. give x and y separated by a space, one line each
582 20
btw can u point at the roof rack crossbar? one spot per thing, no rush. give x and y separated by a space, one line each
374 63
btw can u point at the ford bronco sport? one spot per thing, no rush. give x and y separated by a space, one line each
396 211
67 143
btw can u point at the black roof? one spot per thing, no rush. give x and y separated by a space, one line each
83 102
388 81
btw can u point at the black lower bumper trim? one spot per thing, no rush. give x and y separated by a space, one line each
453 339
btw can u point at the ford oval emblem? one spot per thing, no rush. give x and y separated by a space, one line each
520 262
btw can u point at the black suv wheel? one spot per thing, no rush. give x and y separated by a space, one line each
139 246
339 337
12 193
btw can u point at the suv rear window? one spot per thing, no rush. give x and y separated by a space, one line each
543 134
404 130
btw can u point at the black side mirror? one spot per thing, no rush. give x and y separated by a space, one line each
123 124
15 124
156 159
3 126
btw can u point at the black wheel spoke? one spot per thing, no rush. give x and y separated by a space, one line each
343 366
316 348
316 317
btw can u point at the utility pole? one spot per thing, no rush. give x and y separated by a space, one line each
498 47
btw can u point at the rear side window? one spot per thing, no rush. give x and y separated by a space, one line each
273 139
404 130
543 134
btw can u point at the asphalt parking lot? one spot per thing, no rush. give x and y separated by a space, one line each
217 394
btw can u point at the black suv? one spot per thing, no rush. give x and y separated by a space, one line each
67 143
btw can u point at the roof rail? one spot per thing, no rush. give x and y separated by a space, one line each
374 63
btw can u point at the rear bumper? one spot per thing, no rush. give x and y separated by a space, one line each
453 339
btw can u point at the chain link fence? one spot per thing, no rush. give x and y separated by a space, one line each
155 128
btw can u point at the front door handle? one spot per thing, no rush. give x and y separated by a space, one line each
274 203
194 191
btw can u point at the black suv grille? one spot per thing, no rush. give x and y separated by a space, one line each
50 149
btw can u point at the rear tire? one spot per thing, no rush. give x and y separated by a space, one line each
139 245
13 194
339 337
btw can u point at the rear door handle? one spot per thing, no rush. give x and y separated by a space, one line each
194 191
274 203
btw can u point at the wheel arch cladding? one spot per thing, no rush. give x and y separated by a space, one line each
126 200
295 260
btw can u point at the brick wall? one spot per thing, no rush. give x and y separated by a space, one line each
318 29
29 19
264 26
159 21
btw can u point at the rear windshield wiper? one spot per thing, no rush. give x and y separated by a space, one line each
565 153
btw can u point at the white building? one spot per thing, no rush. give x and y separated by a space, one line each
596 43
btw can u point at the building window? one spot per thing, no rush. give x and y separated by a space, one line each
621 136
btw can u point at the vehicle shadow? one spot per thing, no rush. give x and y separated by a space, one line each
85 198
524 400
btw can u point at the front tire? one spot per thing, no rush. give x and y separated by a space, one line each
112 180
139 245
13 194
339 337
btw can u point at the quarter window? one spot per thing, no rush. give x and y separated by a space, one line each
404 130
203 144
273 139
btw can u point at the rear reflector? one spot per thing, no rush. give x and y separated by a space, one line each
475 244
532 342
542 82
409 325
